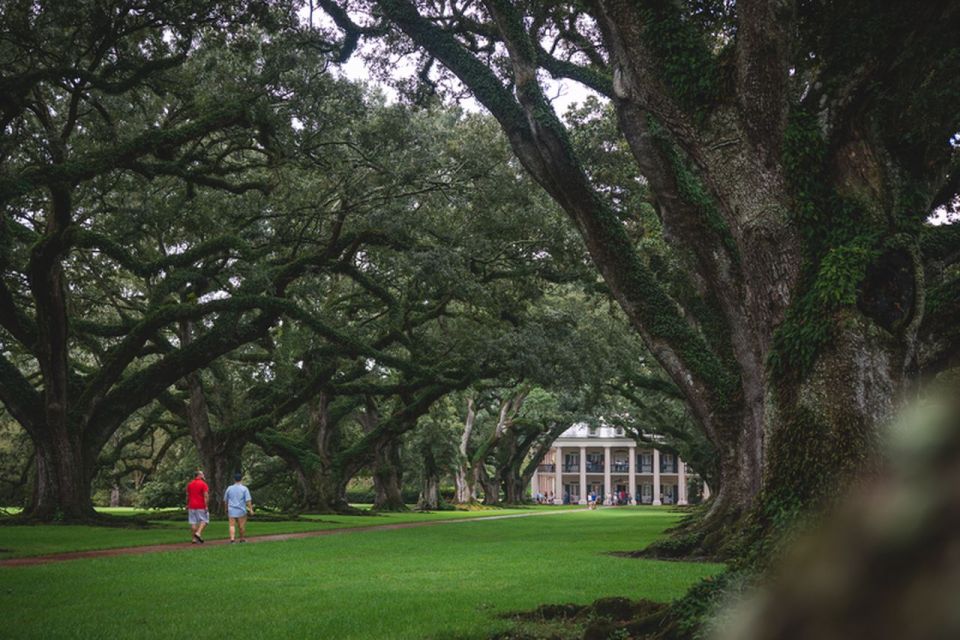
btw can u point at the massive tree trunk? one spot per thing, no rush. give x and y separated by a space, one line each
220 463
321 478
64 464
385 467
63 480
466 475
327 480
491 485
323 487
430 483
308 495
519 451
473 465
510 457
502 447
466 478
330 491
388 476
877 570
514 488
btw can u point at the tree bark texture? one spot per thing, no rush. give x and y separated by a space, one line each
325 480
465 476
480 467
385 468
388 477
62 485
490 481
430 484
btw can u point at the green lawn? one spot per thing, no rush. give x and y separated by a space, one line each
18 541
436 582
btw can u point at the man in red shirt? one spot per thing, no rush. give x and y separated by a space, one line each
198 505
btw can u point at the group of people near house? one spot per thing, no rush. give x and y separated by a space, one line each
236 500
543 498
618 498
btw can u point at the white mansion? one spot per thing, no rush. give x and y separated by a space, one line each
606 462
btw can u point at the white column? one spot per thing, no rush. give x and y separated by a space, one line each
583 475
681 481
606 475
558 477
633 475
656 477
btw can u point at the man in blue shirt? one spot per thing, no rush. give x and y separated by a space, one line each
239 505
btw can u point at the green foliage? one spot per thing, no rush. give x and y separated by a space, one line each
690 69
839 245
166 482
691 614
156 494
15 462
811 322
944 296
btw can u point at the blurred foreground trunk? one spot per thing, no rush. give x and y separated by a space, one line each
886 565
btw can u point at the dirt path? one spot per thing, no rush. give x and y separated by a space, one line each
277 537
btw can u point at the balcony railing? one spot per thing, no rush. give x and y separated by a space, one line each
616 467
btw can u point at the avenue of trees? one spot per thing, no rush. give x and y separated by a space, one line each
207 236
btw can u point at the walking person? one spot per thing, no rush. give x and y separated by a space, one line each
239 505
198 506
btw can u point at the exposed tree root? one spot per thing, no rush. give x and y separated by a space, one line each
707 533
605 618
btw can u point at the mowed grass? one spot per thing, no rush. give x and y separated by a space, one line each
20 541
449 581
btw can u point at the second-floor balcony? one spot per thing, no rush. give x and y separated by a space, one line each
620 466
